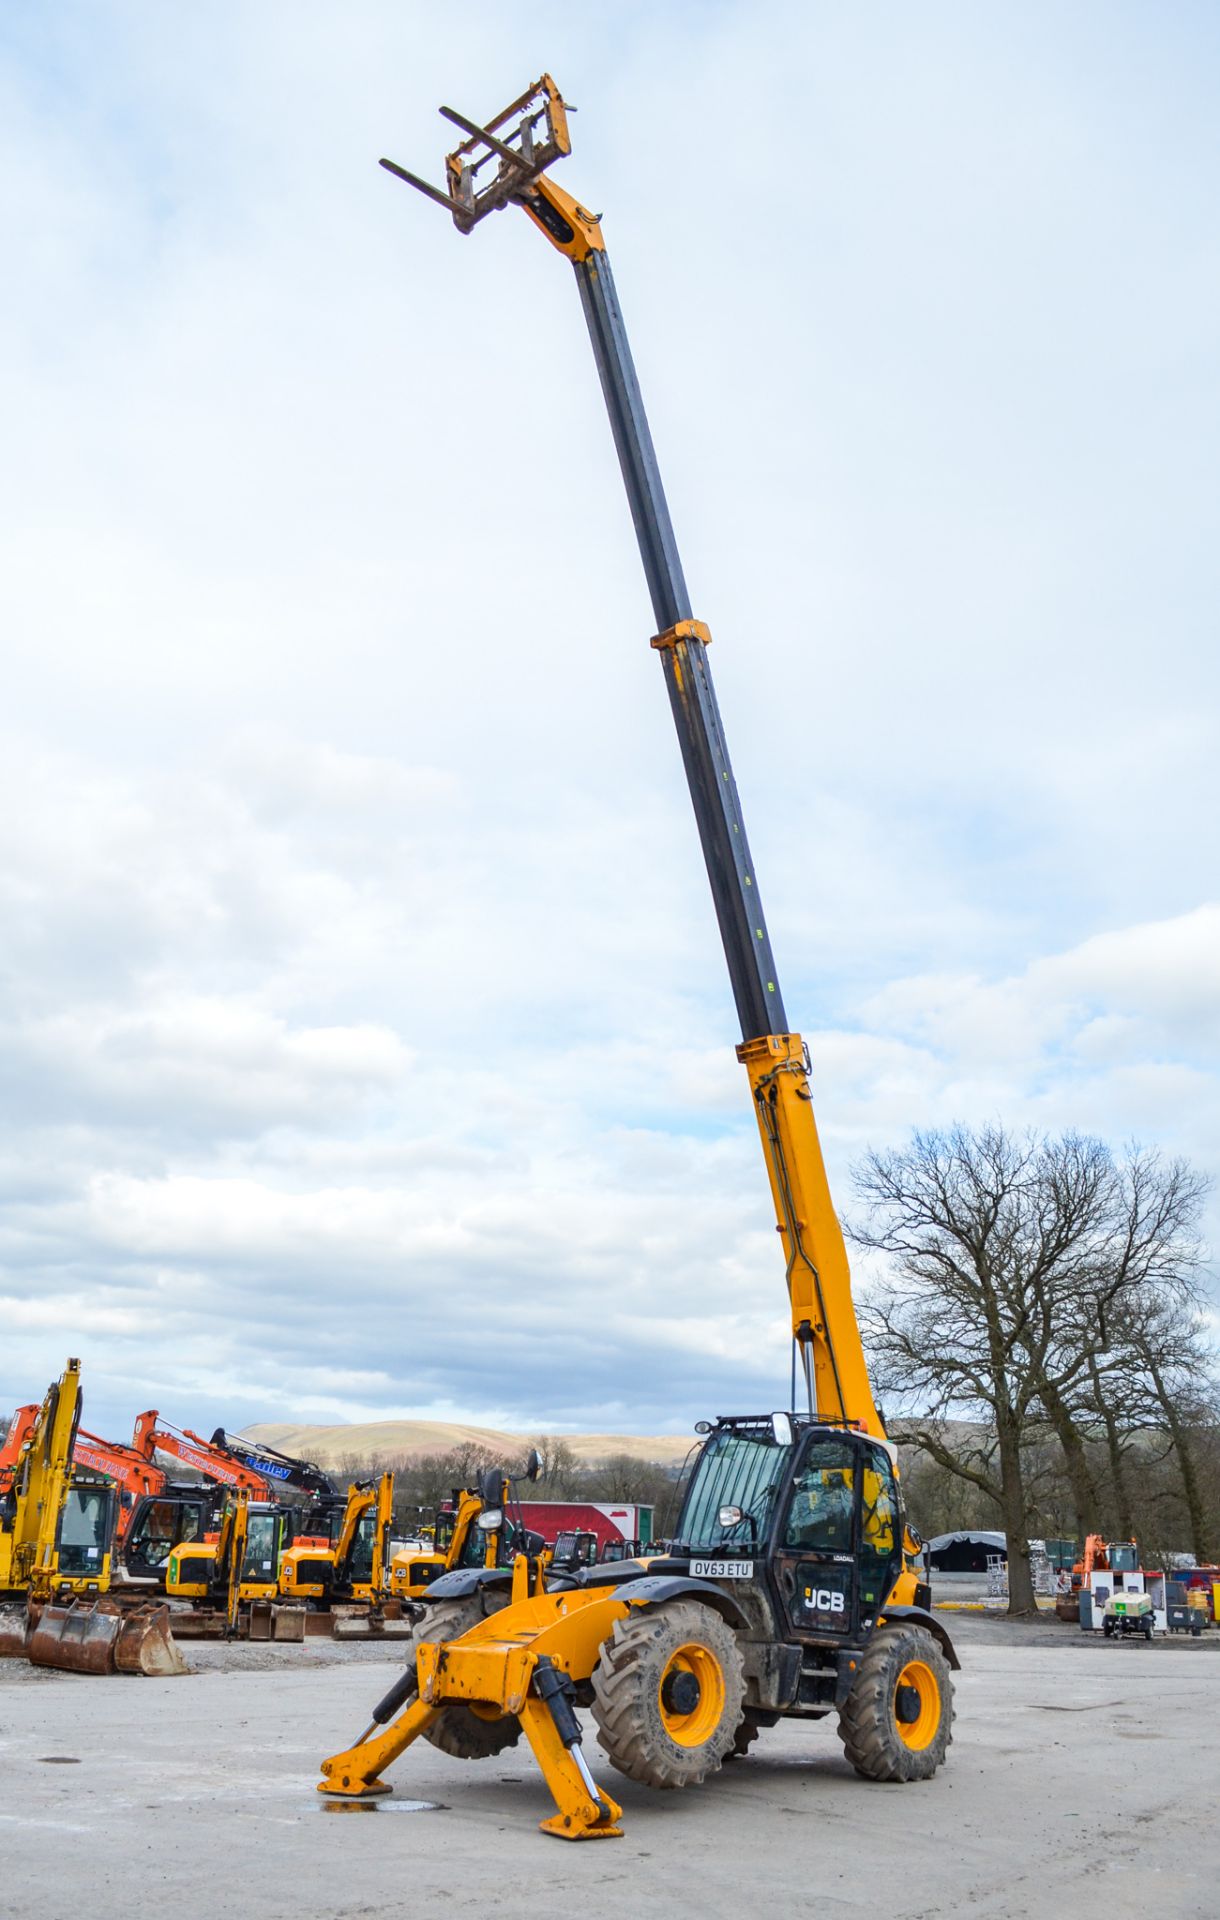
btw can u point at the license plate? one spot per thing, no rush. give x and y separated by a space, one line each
722 1569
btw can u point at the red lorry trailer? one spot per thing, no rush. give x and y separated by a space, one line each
610 1520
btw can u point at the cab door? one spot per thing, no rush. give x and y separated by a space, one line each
816 1551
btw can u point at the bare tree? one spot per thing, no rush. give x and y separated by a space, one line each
954 1212
1140 1274
561 1468
1021 1275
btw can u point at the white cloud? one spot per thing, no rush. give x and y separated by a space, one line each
364 1042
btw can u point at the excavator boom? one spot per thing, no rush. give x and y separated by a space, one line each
151 1436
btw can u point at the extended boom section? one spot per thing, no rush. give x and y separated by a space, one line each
823 1317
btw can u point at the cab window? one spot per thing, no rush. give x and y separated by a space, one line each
880 1527
821 1505
360 1565
84 1530
474 1548
262 1553
156 1532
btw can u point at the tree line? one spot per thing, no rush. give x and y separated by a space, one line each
1035 1313
422 1482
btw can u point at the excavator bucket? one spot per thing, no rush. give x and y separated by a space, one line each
146 1645
105 1639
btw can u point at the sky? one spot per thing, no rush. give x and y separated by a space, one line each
366 1048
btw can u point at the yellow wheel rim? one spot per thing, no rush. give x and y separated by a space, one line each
920 1732
691 1715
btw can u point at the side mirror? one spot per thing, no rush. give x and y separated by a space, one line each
781 1427
534 1465
490 1520
491 1481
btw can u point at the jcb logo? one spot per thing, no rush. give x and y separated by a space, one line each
823 1601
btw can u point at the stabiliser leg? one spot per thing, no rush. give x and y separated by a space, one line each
355 1775
586 1811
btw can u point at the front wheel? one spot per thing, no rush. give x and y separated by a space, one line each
667 1694
897 1721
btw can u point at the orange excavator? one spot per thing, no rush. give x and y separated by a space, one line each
20 1428
152 1436
261 1471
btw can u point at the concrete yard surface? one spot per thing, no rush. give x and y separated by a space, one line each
1082 1778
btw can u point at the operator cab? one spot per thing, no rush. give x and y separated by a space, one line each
807 1511
161 1522
574 1548
85 1528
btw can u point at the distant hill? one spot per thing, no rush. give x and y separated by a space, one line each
414 1439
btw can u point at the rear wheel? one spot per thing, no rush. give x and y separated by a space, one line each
465 1732
897 1721
667 1694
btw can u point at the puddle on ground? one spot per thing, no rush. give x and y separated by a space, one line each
58 1760
384 1806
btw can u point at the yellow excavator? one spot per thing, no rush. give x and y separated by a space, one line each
354 1568
57 1526
247 1582
471 1532
785 1592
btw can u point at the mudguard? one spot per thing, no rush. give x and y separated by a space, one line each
656 1588
920 1617
464 1581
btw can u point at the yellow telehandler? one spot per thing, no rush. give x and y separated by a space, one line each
786 1591
57 1527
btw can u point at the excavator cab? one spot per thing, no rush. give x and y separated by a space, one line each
161 1522
203 1570
86 1529
261 1560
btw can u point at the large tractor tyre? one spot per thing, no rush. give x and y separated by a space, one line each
897 1721
466 1733
667 1694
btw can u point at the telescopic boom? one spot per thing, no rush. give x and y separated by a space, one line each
503 164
